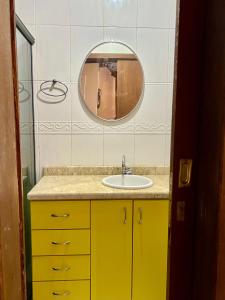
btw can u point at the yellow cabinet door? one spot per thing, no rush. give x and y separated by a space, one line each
150 247
111 250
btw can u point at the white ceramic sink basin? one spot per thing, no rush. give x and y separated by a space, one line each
128 182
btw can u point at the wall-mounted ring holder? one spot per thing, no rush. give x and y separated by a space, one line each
52 91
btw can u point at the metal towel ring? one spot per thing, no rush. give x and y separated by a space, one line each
45 86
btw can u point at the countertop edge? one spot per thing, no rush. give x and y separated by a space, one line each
98 196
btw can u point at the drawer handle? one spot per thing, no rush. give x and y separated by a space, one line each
141 216
65 293
61 244
61 269
125 215
60 216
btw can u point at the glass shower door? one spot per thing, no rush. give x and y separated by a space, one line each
27 142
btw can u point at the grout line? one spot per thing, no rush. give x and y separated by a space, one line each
106 26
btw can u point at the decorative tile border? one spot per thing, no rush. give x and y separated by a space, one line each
152 128
54 128
86 128
96 128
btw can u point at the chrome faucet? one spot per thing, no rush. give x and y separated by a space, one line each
125 169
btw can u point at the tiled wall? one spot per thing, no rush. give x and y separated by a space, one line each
65 31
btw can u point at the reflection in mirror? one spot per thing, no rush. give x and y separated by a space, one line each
111 81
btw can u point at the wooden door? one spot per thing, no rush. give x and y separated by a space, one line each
12 283
111 249
150 248
129 86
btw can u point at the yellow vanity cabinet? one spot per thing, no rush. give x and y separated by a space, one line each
150 246
111 249
99 249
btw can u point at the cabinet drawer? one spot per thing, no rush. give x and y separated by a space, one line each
60 214
70 290
60 242
61 268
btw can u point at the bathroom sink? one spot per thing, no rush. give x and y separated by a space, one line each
129 182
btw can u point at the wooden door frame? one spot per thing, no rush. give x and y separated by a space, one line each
185 134
12 276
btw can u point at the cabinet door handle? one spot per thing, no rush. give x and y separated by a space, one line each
61 269
61 244
64 293
60 216
141 215
125 215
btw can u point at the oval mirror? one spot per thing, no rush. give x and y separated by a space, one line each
111 81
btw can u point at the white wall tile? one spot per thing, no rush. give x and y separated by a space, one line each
53 53
154 13
152 45
169 104
53 111
167 150
149 150
87 150
54 12
83 39
79 110
153 106
119 127
25 11
127 36
120 13
115 146
55 150
173 13
86 12
171 55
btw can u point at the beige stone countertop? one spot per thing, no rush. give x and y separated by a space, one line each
90 187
